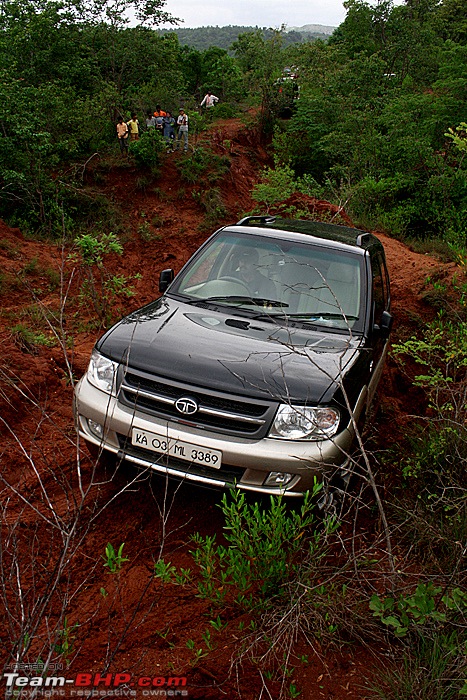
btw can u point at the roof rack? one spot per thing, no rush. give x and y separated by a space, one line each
262 219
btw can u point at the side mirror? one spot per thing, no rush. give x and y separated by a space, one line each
385 325
165 279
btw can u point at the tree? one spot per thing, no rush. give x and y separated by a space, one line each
66 74
262 61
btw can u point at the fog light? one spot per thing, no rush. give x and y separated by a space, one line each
278 479
95 428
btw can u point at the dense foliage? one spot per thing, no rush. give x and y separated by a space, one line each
375 105
372 128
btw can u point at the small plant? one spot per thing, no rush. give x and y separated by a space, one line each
165 572
261 551
458 136
158 221
8 248
183 577
165 635
100 287
54 278
218 624
30 340
142 183
435 467
169 574
65 645
113 559
144 230
203 164
197 653
225 111
420 608
207 639
211 201
264 552
31 266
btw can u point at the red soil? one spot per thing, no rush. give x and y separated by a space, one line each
139 625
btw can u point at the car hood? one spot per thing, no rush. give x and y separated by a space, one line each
218 348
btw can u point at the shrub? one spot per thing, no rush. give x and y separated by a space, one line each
100 287
213 205
225 111
430 623
148 150
265 549
203 165
277 184
435 467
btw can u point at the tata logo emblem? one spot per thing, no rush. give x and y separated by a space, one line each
186 406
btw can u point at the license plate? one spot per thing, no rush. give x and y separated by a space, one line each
176 448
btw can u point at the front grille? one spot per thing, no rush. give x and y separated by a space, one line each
218 412
227 473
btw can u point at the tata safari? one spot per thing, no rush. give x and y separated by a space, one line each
255 366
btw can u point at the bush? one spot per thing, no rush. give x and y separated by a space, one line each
148 150
430 623
265 549
203 165
213 205
435 467
277 184
225 111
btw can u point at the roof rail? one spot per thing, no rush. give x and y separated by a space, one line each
260 218
363 238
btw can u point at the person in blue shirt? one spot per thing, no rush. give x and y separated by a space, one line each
169 130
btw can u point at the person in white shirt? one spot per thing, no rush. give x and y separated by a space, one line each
209 100
182 123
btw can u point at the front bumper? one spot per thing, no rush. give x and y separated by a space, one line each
246 463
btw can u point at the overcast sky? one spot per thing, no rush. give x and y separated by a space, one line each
261 13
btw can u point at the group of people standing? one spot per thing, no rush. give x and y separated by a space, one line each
161 121
164 122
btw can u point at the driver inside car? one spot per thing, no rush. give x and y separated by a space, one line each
258 284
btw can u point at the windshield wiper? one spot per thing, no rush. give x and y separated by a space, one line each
247 300
324 317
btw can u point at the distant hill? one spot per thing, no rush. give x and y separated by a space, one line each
202 38
314 29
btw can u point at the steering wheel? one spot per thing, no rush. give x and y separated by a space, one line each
231 278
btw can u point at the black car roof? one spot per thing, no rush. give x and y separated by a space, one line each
330 233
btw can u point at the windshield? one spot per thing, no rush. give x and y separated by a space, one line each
280 279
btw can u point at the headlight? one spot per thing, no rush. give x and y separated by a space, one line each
102 372
305 423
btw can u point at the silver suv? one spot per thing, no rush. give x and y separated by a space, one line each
254 366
